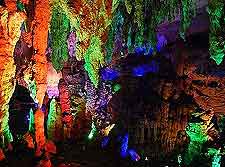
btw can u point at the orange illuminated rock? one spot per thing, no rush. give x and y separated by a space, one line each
11 5
40 27
29 140
40 41
10 23
39 131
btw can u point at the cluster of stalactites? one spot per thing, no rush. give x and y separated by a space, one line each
74 27
134 23
60 27
85 29
216 11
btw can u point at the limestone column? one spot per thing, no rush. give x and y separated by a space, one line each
40 26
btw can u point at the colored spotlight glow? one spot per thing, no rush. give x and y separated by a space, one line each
116 88
162 42
133 154
109 74
93 130
107 130
140 50
141 70
138 71
124 146
105 141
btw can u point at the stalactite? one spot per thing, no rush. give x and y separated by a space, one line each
115 4
81 121
30 83
115 29
129 6
118 36
94 60
188 11
60 27
92 27
10 23
29 140
216 155
71 44
139 19
216 11
129 41
40 41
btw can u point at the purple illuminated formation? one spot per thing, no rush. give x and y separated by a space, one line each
71 42
133 154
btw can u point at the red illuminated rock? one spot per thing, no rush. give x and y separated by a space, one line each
50 147
2 155
65 107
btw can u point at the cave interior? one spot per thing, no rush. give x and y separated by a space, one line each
93 83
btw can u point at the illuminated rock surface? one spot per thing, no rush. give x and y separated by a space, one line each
10 24
92 75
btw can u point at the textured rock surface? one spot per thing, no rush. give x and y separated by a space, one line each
208 91
39 131
53 81
67 118
40 40
10 23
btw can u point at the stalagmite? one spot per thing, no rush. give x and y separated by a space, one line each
39 131
65 107
53 127
10 23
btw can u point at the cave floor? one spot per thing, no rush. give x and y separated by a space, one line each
71 156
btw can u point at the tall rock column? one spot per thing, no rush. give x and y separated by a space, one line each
40 40
10 23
